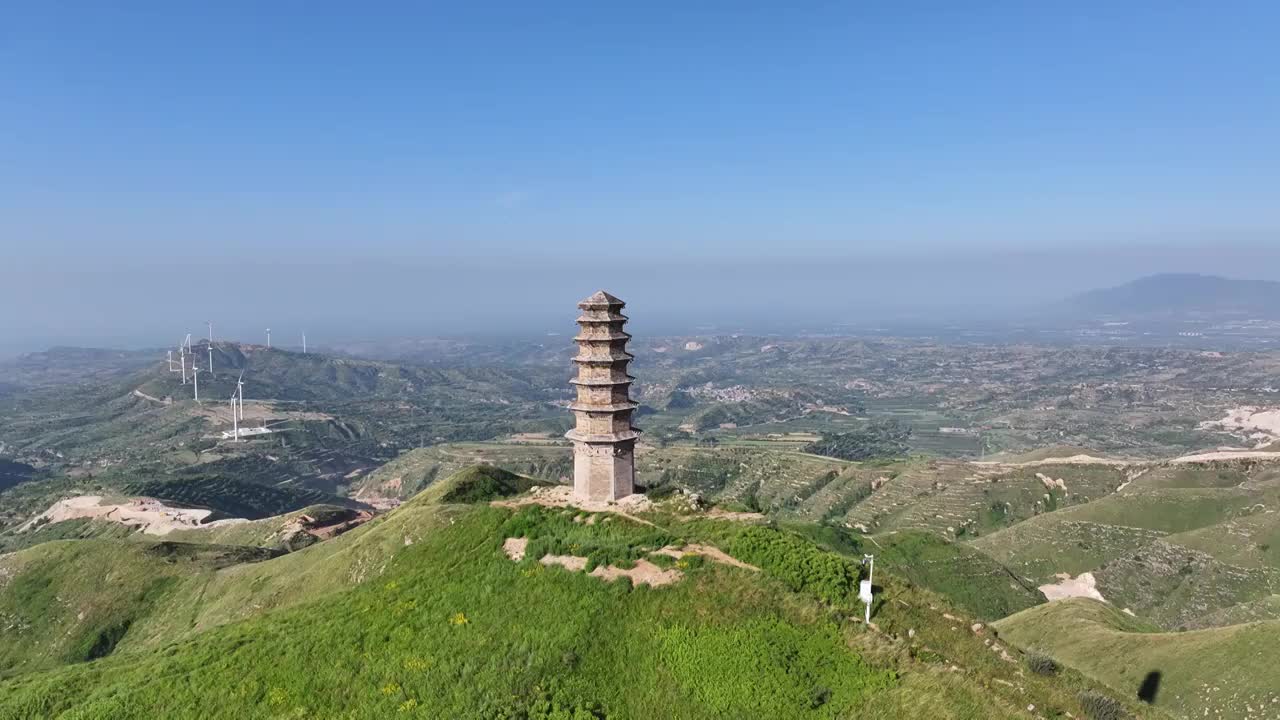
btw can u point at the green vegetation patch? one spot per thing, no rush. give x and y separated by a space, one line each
606 540
801 566
966 577
879 439
822 675
75 529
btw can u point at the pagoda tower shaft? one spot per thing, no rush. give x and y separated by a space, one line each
603 440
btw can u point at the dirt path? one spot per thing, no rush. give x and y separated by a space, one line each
709 551
1068 460
643 572
152 398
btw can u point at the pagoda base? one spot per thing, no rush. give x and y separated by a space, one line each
604 471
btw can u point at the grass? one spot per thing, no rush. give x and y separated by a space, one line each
479 484
1230 670
436 638
77 529
1054 543
1167 510
967 578
1178 588
69 601
420 614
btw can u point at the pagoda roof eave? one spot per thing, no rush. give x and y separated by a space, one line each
603 438
602 383
605 317
598 359
611 408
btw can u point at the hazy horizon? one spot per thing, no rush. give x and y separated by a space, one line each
370 299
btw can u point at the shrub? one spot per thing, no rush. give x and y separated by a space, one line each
800 565
691 561
1097 706
1041 663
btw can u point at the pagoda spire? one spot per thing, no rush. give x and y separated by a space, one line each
603 440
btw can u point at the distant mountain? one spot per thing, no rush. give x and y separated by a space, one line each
1178 294
72 365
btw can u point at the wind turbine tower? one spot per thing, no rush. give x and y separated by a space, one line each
268 338
195 377
210 324
182 357
235 420
240 393
171 362
304 343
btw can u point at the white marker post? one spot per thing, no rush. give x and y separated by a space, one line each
864 587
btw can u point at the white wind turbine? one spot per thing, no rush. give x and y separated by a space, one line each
210 324
235 420
268 338
240 392
304 343
171 362
195 377
182 356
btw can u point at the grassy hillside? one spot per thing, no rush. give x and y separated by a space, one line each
1224 672
77 529
421 614
779 481
74 600
967 578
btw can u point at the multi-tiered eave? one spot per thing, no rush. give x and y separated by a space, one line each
602 383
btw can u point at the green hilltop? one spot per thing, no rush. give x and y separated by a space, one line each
420 613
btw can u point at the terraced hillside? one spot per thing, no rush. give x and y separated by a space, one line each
1179 544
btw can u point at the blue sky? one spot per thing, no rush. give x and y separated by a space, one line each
321 132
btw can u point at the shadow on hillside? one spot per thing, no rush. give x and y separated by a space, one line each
1150 687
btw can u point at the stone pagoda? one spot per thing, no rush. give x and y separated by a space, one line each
603 441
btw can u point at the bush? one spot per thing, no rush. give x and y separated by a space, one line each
1097 706
800 565
1041 664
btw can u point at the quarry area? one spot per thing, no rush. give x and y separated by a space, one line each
148 515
